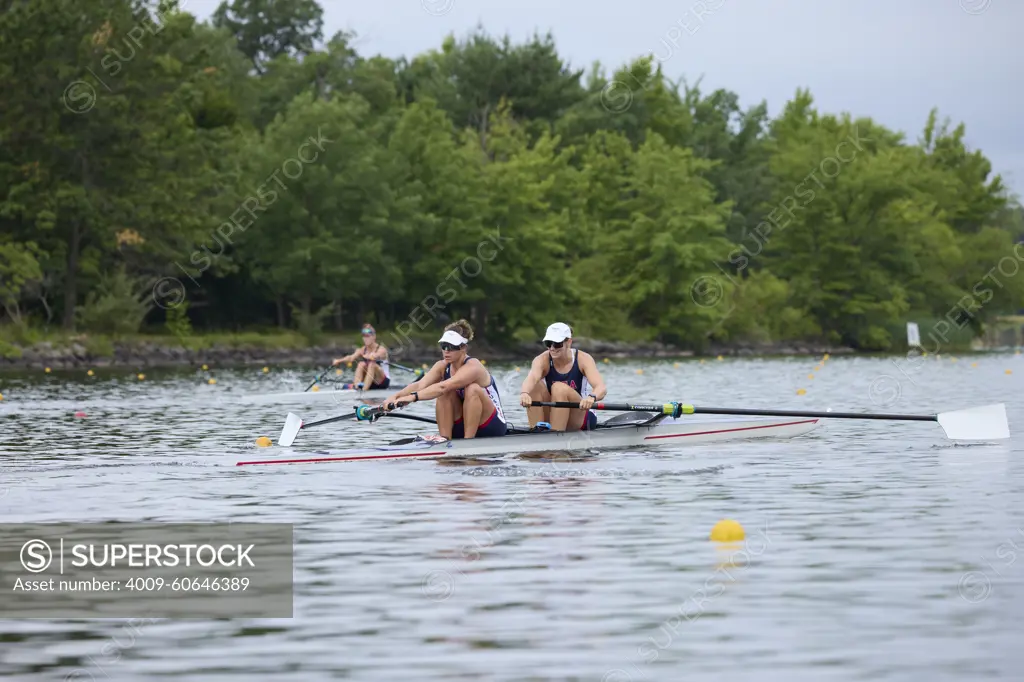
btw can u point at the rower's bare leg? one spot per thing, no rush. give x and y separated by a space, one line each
538 414
564 418
373 374
476 409
360 372
447 410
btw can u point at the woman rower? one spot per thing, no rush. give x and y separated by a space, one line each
373 370
563 374
468 404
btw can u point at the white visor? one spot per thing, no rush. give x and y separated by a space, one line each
558 332
453 337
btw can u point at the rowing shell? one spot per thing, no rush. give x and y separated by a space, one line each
667 431
343 392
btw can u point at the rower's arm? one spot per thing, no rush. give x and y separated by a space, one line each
347 358
381 353
469 373
593 376
536 373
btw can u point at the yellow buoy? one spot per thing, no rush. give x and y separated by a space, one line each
424 365
801 391
818 368
315 388
720 357
702 361
263 442
212 382
952 359
675 365
205 368
924 354
141 376
266 369
639 371
974 364
517 369
727 530
605 361
47 370
90 372
810 376
1009 371
349 365
483 362
337 372
1 396
825 357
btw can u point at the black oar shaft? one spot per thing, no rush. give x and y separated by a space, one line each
403 367
828 415
386 414
692 409
317 380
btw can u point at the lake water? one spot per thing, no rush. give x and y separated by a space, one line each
874 550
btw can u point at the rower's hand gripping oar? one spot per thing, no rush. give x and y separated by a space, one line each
976 423
364 413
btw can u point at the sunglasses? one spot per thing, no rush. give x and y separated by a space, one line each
368 332
450 347
552 344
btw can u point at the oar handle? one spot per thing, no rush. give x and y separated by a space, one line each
375 412
676 409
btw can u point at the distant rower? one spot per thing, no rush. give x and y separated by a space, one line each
373 371
468 404
569 375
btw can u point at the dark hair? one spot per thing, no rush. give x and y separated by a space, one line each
463 328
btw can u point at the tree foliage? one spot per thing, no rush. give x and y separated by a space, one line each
281 181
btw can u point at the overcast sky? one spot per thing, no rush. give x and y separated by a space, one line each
892 60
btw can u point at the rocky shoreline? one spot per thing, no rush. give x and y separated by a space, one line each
143 354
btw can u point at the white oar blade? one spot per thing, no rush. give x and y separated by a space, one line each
291 429
976 423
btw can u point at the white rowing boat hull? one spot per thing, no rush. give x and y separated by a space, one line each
671 432
340 396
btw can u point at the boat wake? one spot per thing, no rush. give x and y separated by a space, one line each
104 465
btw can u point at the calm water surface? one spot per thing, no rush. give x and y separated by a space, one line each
874 551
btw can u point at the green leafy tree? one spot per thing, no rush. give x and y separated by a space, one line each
266 29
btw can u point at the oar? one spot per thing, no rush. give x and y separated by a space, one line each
417 372
293 422
317 380
976 423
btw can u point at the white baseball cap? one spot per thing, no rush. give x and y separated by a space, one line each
453 337
559 331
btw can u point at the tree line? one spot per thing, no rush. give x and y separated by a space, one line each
245 173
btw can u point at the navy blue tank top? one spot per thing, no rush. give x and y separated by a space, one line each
491 390
574 377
